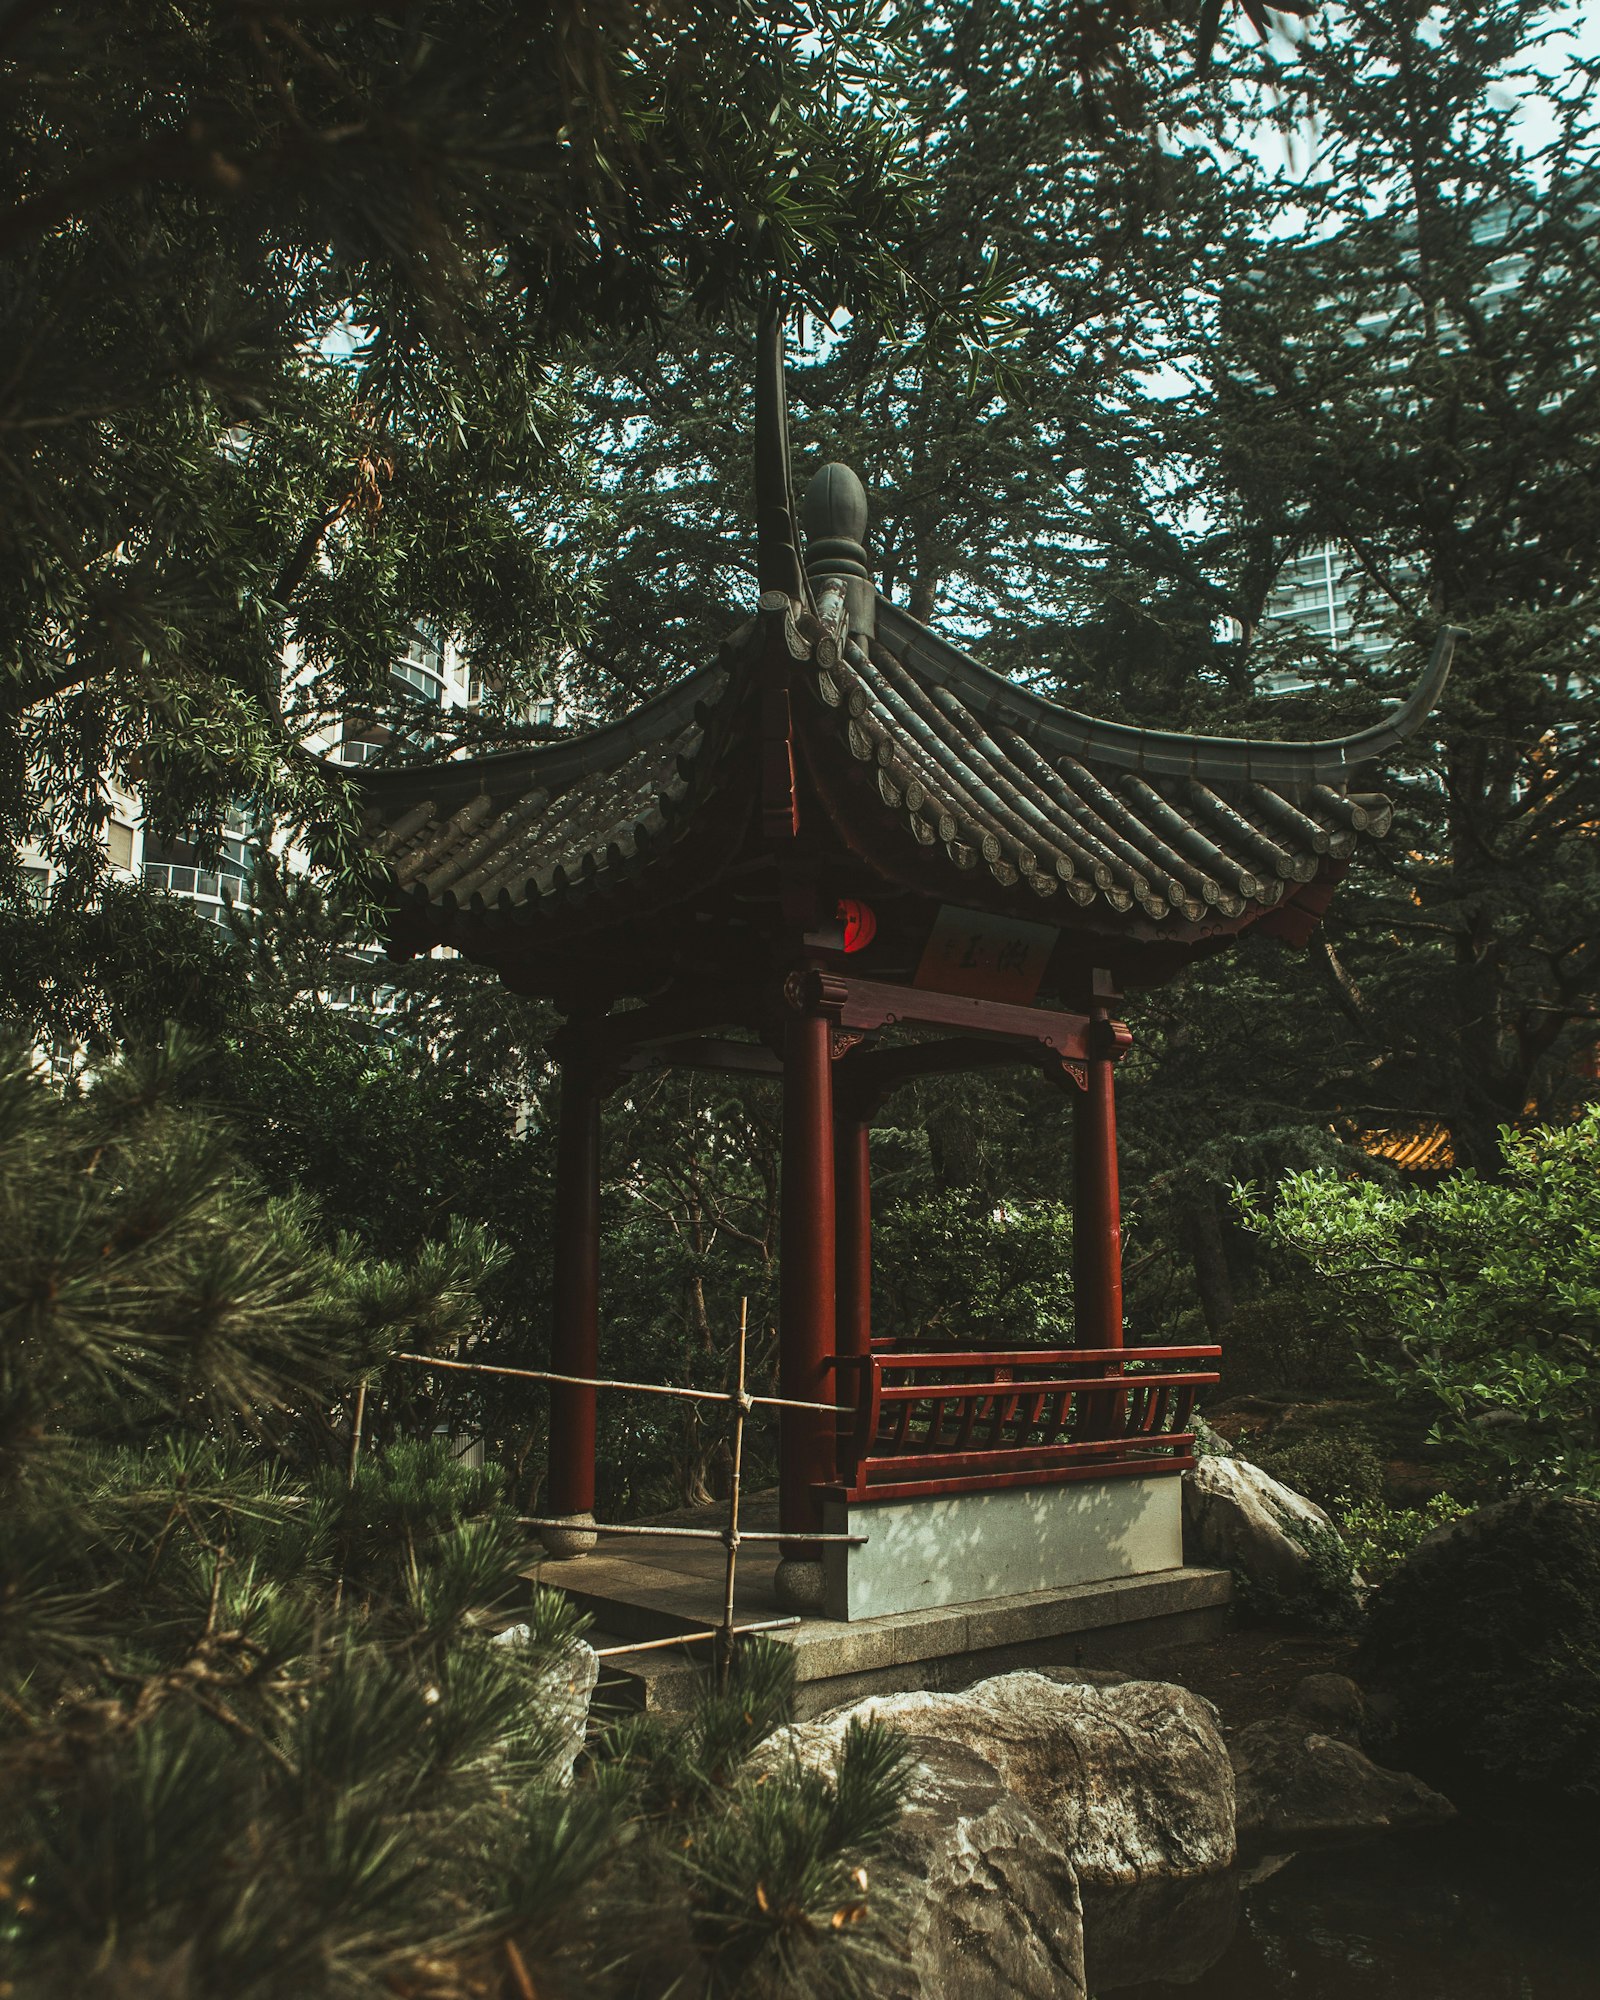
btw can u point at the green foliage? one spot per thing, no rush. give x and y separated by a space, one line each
1485 1294
1380 1537
957 1266
772 1857
691 1228
1488 1636
1207 1442
286 337
257 1734
1337 1471
677 1768
1328 1600
781 1890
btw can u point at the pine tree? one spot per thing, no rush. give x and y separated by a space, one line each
257 1735
1415 387
281 329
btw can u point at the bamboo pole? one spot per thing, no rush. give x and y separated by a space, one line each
356 1423
740 1406
645 1529
644 1388
694 1638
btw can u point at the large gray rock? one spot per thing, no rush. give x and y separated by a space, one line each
1141 1933
983 1902
1297 1784
561 1691
1238 1517
1133 1781
1333 1705
973 1895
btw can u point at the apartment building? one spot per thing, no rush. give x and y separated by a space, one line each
432 673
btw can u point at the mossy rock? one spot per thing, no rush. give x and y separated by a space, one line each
1488 1639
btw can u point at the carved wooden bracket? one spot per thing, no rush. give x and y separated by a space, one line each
867 1004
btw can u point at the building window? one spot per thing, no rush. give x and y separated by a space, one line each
119 844
213 890
36 885
421 667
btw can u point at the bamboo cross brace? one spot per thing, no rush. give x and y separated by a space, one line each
694 1638
740 1406
644 1388
686 1534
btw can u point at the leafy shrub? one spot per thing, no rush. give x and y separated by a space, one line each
1488 1637
1337 1471
1483 1294
1329 1600
1380 1537
958 1266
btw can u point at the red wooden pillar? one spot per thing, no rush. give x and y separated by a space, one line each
806 1275
575 1341
852 1170
1096 1201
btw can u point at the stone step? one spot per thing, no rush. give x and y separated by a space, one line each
1083 1625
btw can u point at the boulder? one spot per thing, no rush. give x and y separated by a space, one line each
1143 1933
985 1902
561 1690
1333 1705
1132 1780
1238 1517
1297 1784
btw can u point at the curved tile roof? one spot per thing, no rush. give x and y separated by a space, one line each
962 768
1159 752
1061 817
839 723
527 828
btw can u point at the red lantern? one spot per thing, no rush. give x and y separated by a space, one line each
860 924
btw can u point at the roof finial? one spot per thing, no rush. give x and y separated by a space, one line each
777 544
835 513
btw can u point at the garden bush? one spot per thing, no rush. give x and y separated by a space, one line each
1339 1472
1488 1638
1481 1296
258 1737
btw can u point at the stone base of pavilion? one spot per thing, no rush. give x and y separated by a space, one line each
637 1589
925 1553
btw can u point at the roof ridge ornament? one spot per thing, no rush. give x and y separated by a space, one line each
777 544
835 516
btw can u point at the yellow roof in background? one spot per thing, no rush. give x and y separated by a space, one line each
1424 1149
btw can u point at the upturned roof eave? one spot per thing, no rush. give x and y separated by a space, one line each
549 766
1163 752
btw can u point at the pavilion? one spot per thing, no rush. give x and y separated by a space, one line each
845 854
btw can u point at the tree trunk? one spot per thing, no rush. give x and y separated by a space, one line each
1202 1230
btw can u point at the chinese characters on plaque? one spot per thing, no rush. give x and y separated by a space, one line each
987 958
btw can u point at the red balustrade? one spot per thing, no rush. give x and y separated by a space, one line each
964 1421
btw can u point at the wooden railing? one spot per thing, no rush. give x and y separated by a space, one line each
962 1421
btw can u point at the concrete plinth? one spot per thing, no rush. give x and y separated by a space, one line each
1014 1541
644 1590
1088 1625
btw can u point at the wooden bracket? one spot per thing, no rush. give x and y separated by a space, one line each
780 793
867 1004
